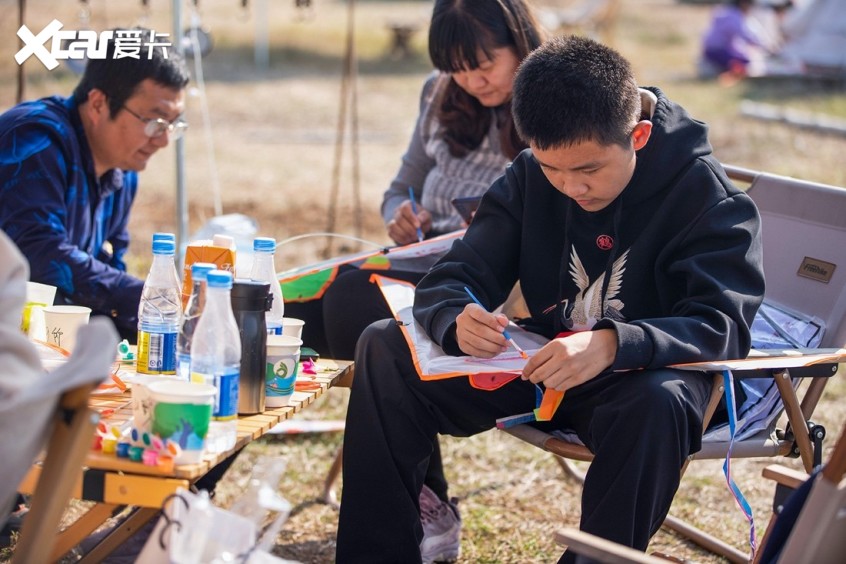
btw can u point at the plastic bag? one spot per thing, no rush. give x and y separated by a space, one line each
192 530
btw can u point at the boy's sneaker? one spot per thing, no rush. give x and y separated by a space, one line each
441 528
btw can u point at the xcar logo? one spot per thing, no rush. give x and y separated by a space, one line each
84 44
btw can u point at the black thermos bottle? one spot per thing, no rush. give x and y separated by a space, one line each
250 300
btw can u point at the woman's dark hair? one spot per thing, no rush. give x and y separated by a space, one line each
118 78
459 30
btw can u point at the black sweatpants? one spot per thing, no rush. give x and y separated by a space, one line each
640 425
334 323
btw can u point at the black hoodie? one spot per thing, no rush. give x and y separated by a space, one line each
682 278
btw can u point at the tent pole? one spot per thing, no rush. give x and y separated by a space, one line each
21 76
262 42
181 195
348 98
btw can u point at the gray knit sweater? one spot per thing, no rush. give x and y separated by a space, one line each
436 176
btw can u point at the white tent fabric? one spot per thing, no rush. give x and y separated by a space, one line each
815 40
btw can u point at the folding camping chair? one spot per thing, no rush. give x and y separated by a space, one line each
818 535
804 241
55 413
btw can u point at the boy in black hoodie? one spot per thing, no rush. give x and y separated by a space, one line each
633 251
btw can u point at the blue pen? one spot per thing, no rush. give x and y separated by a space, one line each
414 209
504 332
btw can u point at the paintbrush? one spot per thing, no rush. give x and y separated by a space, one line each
505 333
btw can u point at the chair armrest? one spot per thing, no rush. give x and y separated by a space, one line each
601 549
784 476
835 468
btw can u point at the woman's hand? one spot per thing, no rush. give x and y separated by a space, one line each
566 362
403 227
479 332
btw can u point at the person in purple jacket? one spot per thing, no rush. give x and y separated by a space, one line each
728 43
68 173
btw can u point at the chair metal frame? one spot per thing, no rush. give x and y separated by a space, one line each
816 536
818 533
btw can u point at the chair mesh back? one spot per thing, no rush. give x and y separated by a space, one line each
804 239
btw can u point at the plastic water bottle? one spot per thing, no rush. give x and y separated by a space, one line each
264 270
162 236
216 359
159 313
193 309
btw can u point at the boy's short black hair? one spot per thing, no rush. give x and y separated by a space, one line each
573 89
118 78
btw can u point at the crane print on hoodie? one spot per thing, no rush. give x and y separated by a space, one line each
586 308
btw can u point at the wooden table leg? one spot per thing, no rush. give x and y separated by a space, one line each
122 532
329 496
81 528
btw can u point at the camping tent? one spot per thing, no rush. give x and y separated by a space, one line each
815 41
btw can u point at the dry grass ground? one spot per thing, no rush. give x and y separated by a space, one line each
273 133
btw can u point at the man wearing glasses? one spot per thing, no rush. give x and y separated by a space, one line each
69 173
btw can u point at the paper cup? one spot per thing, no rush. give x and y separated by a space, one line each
142 399
283 357
38 296
181 413
292 327
41 293
62 321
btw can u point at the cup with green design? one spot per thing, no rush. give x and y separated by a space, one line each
181 414
283 358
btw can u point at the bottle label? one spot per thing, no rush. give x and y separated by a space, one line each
183 366
226 397
156 353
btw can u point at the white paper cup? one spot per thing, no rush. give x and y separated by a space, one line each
62 321
292 327
42 293
181 413
32 321
38 296
142 399
283 358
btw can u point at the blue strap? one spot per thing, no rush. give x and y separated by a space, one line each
520 418
728 384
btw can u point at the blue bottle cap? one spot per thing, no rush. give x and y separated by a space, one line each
164 247
219 279
264 244
200 270
161 236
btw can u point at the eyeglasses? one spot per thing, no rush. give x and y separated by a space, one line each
157 127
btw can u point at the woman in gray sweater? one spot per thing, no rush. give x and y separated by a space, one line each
463 138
